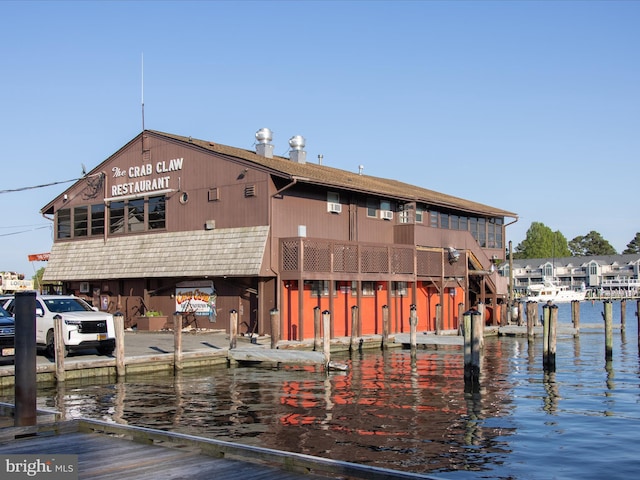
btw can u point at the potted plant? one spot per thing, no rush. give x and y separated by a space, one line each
152 320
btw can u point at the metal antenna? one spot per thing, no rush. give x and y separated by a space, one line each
142 87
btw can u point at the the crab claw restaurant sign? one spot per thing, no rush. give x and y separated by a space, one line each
197 298
140 180
51 467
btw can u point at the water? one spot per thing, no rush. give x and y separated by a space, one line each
392 411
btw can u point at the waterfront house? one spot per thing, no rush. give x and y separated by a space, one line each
172 224
602 275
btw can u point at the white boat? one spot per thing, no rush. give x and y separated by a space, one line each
550 291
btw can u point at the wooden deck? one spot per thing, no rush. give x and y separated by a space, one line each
108 451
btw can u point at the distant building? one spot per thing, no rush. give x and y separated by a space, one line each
602 275
175 224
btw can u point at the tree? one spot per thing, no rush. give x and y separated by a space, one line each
37 279
542 242
634 245
590 244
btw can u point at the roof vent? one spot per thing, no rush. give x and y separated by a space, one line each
264 146
297 153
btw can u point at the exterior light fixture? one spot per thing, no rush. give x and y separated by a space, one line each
454 255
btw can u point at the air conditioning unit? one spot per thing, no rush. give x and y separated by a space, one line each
84 287
386 214
334 207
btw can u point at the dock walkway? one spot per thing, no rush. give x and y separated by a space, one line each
107 451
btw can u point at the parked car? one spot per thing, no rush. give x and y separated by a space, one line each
84 326
7 337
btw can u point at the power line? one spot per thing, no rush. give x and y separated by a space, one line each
24 231
40 186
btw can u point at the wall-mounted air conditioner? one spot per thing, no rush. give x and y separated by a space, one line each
334 207
386 214
84 287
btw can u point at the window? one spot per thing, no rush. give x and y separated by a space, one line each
454 222
97 219
385 205
372 208
368 289
80 221
444 220
405 214
135 215
333 202
64 223
419 214
482 232
116 217
157 211
433 219
548 270
463 223
399 289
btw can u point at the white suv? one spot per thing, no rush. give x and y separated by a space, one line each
83 325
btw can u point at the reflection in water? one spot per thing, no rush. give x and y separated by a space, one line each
397 410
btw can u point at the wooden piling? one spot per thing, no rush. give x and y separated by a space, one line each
233 329
473 346
25 388
638 320
385 326
575 316
466 332
413 325
118 326
623 314
177 342
274 315
438 319
553 336
608 329
58 325
326 337
317 329
545 334
354 328
532 312
460 317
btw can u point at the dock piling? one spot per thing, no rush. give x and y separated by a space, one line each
25 360
385 327
274 315
354 328
413 326
326 337
118 325
608 329
317 327
473 346
233 329
177 342
59 347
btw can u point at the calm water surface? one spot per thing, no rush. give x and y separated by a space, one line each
394 411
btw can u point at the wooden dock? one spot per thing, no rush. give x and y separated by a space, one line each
275 356
112 451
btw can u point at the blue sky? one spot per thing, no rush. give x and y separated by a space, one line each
532 107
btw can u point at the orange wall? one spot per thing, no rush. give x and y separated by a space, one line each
371 311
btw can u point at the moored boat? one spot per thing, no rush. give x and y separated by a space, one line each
550 291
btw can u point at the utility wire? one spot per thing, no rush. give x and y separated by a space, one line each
24 231
40 186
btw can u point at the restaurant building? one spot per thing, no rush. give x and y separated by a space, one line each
175 224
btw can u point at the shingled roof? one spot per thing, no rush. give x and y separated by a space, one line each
313 173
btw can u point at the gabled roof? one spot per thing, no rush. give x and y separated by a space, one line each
313 173
626 259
